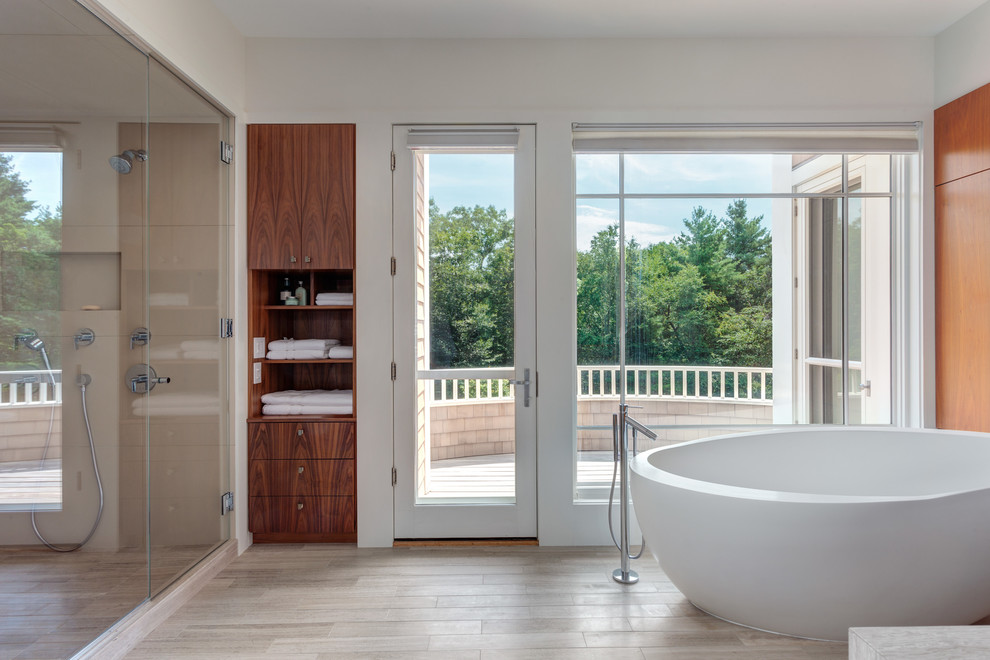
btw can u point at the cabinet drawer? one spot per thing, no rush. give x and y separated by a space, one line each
302 515
301 477
299 440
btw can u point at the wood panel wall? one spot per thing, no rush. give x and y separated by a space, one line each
962 263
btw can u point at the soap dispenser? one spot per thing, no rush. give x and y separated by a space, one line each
301 294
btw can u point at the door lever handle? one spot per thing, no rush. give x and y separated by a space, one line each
525 383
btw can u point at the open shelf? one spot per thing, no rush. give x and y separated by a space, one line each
322 361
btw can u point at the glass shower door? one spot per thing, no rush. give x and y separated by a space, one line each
187 283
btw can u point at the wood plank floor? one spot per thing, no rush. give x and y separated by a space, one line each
53 604
323 602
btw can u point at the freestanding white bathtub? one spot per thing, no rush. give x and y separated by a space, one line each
812 531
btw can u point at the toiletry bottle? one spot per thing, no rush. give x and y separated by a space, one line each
285 292
291 300
301 294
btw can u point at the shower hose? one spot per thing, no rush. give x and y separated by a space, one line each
82 381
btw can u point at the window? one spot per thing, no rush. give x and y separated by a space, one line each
30 381
731 276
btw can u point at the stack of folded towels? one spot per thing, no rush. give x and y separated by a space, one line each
300 349
334 299
308 402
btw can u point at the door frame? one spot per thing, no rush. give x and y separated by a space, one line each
485 517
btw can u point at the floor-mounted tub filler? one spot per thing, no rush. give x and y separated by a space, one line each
810 532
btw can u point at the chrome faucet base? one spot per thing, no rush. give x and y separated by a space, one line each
625 577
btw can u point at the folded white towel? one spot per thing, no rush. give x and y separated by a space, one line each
296 409
297 344
319 354
341 352
309 397
334 299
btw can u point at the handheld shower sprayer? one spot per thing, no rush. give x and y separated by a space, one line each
29 339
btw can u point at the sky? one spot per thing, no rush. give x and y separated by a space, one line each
487 179
42 171
484 179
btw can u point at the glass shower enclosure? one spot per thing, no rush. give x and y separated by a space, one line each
114 234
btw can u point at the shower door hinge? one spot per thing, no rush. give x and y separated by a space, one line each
226 328
392 161
392 266
395 476
226 152
226 503
394 370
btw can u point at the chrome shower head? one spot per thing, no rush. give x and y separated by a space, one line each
123 163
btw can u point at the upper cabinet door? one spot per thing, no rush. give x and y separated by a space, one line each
962 136
301 196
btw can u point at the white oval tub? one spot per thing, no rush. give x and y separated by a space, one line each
810 532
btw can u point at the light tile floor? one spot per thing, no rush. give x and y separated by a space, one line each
323 602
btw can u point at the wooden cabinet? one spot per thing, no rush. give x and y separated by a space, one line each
301 196
962 262
301 481
301 468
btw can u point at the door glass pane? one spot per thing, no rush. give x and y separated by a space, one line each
869 311
822 219
65 444
186 296
465 354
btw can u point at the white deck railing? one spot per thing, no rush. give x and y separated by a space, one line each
735 384
29 388
717 383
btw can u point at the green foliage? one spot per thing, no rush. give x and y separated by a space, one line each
703 298
472 253
30 239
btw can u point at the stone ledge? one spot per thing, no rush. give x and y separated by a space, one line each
927 642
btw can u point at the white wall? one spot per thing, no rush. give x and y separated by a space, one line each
962 56
375 83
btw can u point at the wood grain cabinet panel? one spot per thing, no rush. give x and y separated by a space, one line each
962 303
288 440
326 517
301 468
301 196
962 136
303 477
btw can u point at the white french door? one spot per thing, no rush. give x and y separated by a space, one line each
464 334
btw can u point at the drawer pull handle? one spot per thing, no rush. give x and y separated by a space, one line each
299 432
299 506
301 468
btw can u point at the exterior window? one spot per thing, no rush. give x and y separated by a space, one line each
30 381
707 282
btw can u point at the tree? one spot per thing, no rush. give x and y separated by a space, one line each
472 252
703 298
30 239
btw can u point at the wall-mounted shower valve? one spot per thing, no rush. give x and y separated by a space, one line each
140 337
142 378
84 337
